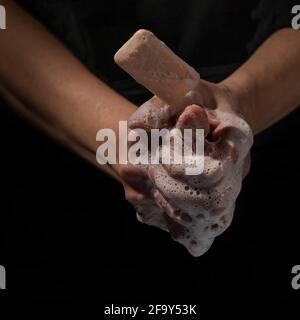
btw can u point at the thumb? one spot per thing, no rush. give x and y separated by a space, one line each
194 117
156 114
204 93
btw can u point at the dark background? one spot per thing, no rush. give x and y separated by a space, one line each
66 229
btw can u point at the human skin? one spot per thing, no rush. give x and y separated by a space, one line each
256 92
176 216
193 209
44 82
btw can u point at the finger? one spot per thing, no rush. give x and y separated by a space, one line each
233 128
177 231
136 178
247 165
150 213
133 196
155 113
179 195
194 117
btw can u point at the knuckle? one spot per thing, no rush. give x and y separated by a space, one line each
133 196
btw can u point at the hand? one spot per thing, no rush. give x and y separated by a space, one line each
197 208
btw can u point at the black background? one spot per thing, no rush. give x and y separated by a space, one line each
67 231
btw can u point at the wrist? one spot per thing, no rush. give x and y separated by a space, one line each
239 97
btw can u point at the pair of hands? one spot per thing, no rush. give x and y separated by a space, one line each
193 209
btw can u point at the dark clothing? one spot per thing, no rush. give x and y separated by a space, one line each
214 36
69 226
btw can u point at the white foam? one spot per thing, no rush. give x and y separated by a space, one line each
207 199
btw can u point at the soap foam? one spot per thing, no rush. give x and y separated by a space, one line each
203 204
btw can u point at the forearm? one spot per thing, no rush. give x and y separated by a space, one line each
54 133
266 87
52 87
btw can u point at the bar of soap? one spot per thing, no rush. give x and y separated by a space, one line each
155 66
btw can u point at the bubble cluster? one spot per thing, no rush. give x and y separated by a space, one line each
198 208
